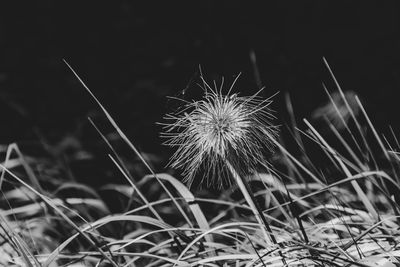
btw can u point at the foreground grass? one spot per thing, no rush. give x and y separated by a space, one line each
332 201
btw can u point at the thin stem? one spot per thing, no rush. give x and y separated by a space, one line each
255 207
246 191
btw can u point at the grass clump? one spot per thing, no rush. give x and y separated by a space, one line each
330 201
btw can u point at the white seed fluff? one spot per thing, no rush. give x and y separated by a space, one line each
217 129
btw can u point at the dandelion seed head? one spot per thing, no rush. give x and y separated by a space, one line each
219 128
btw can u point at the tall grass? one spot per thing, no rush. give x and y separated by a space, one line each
330 201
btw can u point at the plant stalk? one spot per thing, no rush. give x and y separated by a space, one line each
255 207
250 199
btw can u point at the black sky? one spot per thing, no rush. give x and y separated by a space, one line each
133 54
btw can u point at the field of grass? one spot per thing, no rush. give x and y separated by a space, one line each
322 191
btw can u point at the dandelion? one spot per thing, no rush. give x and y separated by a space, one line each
223 138
217 130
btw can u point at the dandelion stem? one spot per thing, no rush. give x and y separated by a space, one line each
246 191
255 207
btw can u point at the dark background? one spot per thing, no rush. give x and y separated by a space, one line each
132 54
